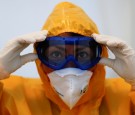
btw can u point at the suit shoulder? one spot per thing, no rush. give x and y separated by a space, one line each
18 81
116 98
115 85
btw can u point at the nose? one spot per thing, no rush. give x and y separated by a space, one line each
70 51
70 64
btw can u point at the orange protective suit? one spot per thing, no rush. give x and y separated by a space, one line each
26 96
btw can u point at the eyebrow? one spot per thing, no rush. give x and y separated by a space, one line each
63 48
82 48
60 48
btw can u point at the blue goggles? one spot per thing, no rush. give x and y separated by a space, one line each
56 52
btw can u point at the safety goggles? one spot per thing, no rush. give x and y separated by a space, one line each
56 52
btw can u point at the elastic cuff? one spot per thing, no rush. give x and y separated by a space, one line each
132 96
3 74
132 87
132 83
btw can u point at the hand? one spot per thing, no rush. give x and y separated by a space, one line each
124 62
10 58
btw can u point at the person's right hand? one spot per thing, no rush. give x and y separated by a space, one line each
10 58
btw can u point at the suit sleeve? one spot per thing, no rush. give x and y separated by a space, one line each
132 101
1 89
7 103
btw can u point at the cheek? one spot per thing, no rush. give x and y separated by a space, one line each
46 69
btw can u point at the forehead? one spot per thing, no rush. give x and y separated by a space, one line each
67 34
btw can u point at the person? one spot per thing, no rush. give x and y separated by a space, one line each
70 55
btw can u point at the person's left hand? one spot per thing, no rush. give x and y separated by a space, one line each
124 62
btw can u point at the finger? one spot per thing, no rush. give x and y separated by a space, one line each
117 44
44 32
107 61
42 36
38 38
99 39
28 58
32 37
17 45
110 41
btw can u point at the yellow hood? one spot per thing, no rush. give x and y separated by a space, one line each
67 17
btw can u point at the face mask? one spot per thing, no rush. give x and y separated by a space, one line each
70 84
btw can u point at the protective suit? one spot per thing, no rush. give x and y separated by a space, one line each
27 96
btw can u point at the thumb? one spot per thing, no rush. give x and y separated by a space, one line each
107 61
28 58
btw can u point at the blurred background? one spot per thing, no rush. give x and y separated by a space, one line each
18 17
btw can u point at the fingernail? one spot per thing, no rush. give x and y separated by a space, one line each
92 35
45 32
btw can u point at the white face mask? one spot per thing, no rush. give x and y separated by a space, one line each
70 84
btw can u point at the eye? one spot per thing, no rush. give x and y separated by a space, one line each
56 54
82 55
